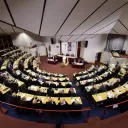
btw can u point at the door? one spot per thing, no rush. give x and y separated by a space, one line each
78 49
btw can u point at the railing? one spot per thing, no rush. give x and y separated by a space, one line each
108 106
47 110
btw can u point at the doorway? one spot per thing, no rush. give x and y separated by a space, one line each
79 49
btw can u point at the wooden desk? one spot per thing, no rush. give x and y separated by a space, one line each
45 99
119 90
27 61
5 64
101 96
16 63
20 83
66 90
4 89
8 53
70 59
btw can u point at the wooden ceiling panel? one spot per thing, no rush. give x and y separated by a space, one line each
65 38
27 13
17 30
120 28
6 28
55 13
4 14
83 9
105 22
109 7
73 38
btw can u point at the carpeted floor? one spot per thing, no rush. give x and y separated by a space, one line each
57 69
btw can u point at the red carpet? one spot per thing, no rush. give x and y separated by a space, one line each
57 69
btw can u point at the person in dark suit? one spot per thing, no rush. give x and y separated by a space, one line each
71 91
15 99
102 89
94 90
63 104
50 91
50 104
76 104
1 77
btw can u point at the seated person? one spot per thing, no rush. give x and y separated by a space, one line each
15 99
34 102
63 104
71 91
68 84
72 55
50 91
102 88
50 104
75 102
1 77
1 61
61 92
94 90
10 67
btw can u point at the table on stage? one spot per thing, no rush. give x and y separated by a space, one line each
69 59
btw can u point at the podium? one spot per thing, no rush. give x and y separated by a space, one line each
69 59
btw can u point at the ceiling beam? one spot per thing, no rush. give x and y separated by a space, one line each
2 29
42 16
89 15
102 28
115 31
106 17
69 38
77 38
100 34
13 29
17 27
123 25
67 16
9 11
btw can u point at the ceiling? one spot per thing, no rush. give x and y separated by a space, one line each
67 20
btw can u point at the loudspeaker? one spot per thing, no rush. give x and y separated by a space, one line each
86 44
53 41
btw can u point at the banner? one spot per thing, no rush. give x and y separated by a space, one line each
69 46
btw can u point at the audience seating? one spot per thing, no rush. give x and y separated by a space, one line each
31 87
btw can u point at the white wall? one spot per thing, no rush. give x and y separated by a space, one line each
126 45
25 40
54 49
65 48
96 44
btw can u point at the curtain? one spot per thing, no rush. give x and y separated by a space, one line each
115 42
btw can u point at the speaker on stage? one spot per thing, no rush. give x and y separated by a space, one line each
86 44
53 40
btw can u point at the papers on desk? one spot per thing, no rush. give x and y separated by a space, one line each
89 80
88 88
18 72
99 97
115 106
117 91
42 99
126 86
110 95
28 98
22 96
